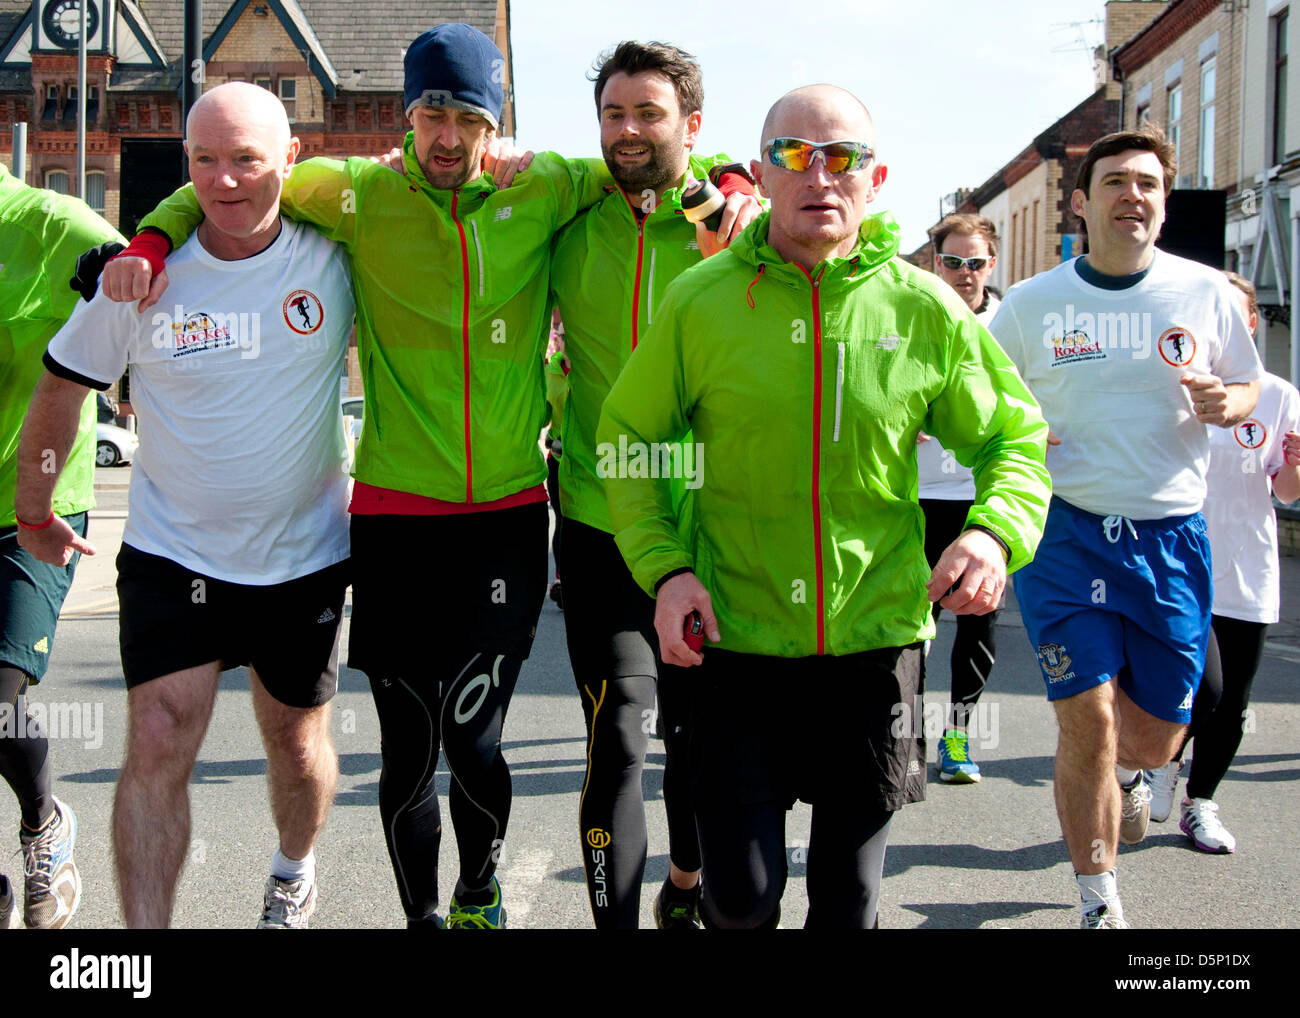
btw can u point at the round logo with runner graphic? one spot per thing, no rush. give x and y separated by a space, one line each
1177 346
303 312
1250 433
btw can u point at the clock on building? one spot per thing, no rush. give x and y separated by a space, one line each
61 24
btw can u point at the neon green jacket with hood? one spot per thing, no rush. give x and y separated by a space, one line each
805 393
41 235
609 272
452 311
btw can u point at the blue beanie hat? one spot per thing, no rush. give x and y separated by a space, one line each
455 66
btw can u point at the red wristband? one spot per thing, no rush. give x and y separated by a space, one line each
150 245
35 526
732 179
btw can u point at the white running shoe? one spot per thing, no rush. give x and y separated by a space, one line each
288 904
52 888
1201 823
1135 810
1103 917
1163 782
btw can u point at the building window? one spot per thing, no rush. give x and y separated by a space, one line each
263 83
289 96
1015 222
70 106
1173 119
1143 114
96 190
1033 243
1205 158
57 181
51 111
1279 85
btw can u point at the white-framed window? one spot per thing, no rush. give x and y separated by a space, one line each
1205 158
1143 114
289 96
1174 118
263 83
96 190
1280 49
57 181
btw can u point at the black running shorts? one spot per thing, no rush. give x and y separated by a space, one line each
173 618
770 729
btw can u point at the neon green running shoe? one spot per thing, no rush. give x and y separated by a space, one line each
478 917
955 764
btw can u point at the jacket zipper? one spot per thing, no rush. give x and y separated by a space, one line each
650 291
839 391
816 459
464 328
478 246
636 287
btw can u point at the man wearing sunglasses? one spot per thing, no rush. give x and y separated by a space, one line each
806 358
966 250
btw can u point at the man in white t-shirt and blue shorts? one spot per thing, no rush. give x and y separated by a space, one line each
1131 352
236 542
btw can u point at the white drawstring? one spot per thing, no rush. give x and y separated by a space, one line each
1113 527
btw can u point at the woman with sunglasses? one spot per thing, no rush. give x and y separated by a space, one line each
966 247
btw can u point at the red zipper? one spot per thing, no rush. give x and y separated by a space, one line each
464 328
636 287
816 459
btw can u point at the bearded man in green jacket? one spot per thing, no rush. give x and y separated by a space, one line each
609 271
805 359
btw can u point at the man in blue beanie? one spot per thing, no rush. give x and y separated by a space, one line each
451 279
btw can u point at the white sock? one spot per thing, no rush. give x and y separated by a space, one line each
1126 776
293 869
1099 889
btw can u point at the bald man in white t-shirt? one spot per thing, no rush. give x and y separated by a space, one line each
1131 352
236 542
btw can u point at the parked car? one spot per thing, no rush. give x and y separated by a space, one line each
114 445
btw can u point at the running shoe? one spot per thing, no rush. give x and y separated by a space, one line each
287 904
557 595
1103 918
8 914
1200 822
478 917
955 764
1163 781
678 914
1135 810
52 888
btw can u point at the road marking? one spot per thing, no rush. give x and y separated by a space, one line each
94 608
523 879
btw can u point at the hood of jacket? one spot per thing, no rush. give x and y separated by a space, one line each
878 242
472 193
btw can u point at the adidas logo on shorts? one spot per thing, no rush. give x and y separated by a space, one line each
326 616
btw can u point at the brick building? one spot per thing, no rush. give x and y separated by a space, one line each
336 65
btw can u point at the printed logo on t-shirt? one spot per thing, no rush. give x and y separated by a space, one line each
1250 433
1055 662
1177 346
303 312
1073 347
200 331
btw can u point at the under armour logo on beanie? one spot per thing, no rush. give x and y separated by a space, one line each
458 67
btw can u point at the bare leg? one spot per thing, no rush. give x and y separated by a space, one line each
167 719
1087 794
1145 742
301 767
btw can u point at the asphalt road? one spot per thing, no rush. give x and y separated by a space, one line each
986 856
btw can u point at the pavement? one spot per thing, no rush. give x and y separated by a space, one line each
982 856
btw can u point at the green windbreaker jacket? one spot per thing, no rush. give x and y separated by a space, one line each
609 272
41 235
805 393
452 305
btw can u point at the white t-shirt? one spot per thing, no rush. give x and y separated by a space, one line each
242 468
938 472
1105 367
1239 505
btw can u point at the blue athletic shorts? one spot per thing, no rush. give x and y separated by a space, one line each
1108 597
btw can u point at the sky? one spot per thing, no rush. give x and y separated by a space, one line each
956 89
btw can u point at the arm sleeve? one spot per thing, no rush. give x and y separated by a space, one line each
574 184
989 420
1235 357
65 238
319 191
649 403
92 347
